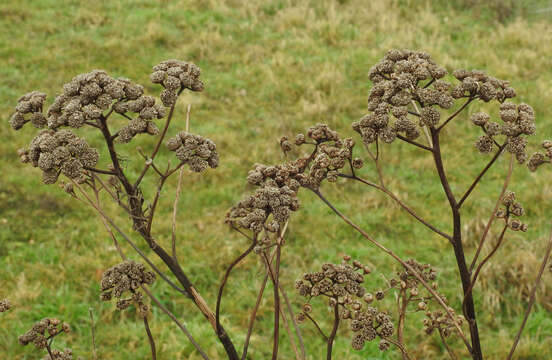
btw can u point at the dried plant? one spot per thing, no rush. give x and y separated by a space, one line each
413 101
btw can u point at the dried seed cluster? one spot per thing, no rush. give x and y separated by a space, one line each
56 152
67 354
518 121
512 209
147 110
342 285
86 96
195 150
126 276
279 184
4 305
43 329
268 208
174 76
441 321
397 79
475 83
29 108
538 158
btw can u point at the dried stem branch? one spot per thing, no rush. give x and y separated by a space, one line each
455 114
333 334
150 338
399 202
532 298
92 330
324 336
449 350
478 178
493 215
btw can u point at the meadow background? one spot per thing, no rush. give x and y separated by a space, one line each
270 69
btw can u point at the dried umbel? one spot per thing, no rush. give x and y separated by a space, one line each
538 158
518 122
29 108
67 354
4 305
174 76
475 83
397 82
267 209
442 321
128 276
342 285
511 211
195 150
59 152
43 330
87 95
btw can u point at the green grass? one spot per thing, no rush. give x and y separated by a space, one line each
270 69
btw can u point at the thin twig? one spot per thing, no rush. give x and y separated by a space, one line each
150 338
227 275
324 336
398 201
94 355
449 350
478 178
175 208
175 320
253 316
455 113
532 297
331 338
413 142
493 215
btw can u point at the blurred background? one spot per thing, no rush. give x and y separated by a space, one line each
270 68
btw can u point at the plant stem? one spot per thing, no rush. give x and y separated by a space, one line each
533 296
331 338
150 338
458 248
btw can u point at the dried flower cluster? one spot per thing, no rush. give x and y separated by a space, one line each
29 108
279 184
4 305
518 120
67 354
475 83
397 79
56 152
147 110
441 321
512 208
342 285
174 76
87 95
195 150
43 330
538 158
126 276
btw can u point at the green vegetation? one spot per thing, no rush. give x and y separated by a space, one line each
269 69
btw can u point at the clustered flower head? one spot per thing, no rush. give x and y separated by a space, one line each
195 150
538 158
475 83
87 95
174 76
42 330
67 354
29 108
511 211
342 285
268 208
398 79
56 152
4 305
442 321
126 276
518 121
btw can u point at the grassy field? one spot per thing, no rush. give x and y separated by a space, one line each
270 68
